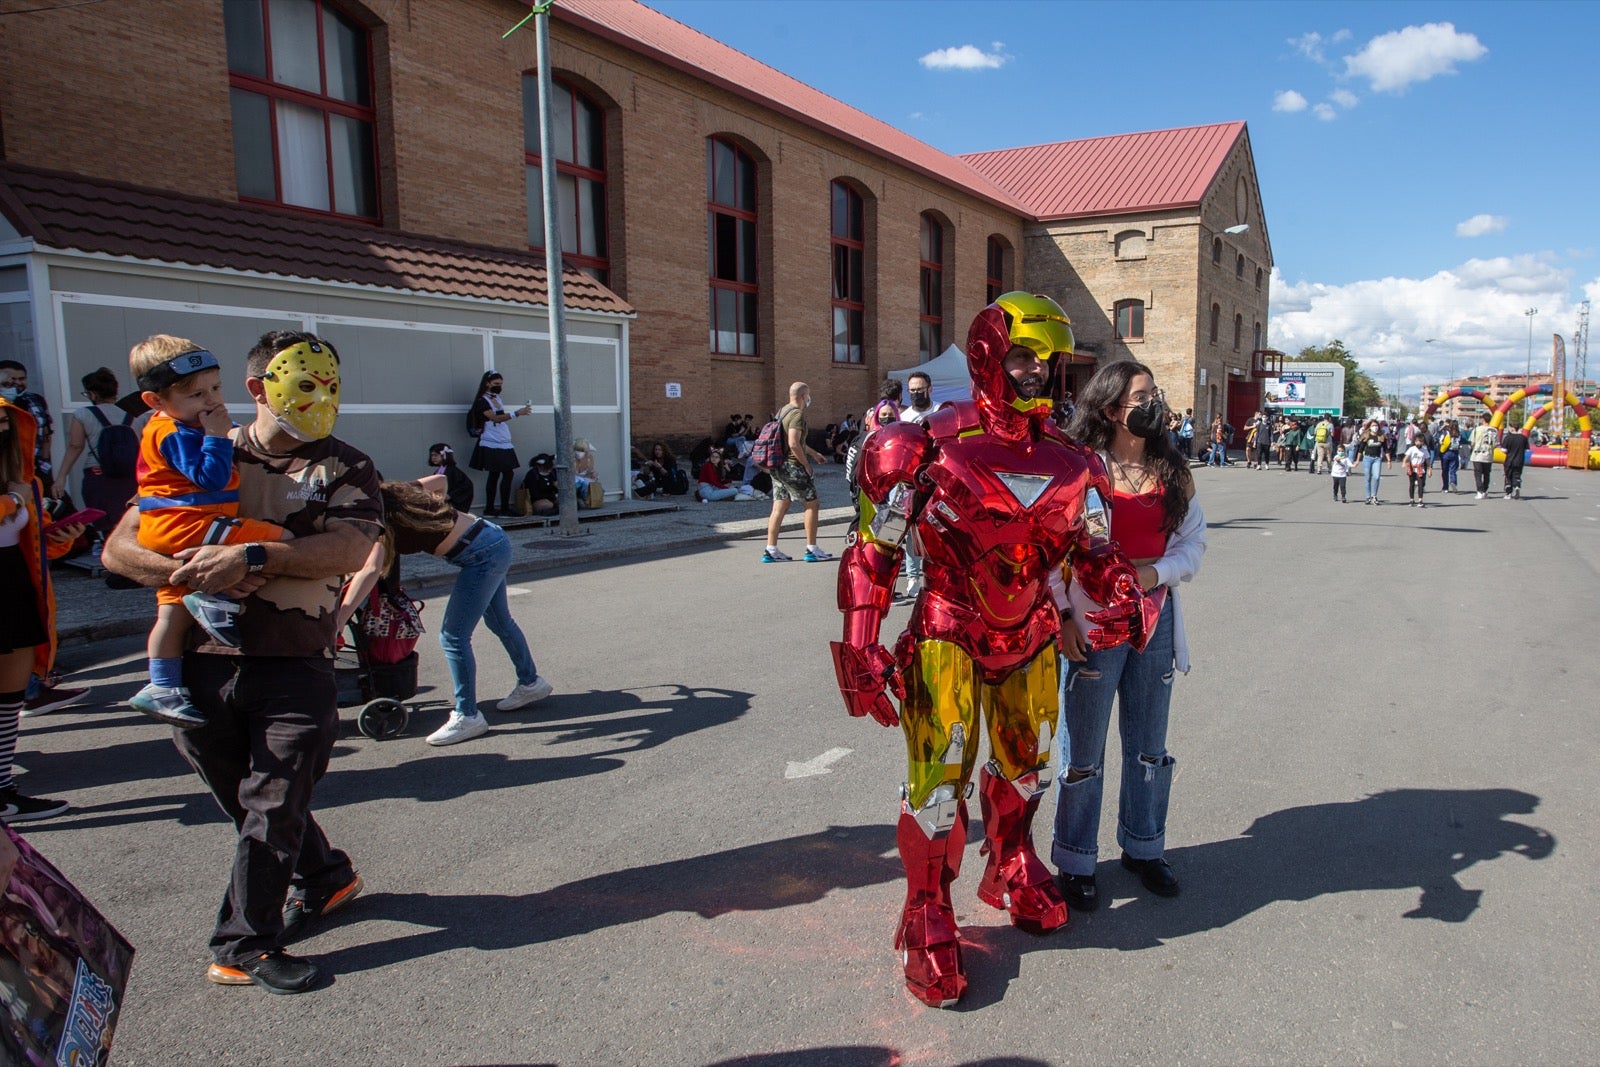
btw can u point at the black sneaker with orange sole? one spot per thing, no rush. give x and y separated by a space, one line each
302 914
275 971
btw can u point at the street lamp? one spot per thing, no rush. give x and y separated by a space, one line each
1527 377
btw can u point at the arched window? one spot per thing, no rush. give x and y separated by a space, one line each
931 255
1258 279
300 82
1238 331
1216 321
1216 250
731 240
847 237
1256 339
1238 268
1130 244
995 273
580 143
1130 320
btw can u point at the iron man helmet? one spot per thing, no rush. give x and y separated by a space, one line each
1031 320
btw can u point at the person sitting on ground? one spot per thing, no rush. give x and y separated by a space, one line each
590 494
188 497
544 493
458 486
659 473
713 480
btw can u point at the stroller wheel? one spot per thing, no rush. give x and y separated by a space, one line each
383 719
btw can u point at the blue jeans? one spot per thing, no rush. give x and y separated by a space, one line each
1449 463
480 593
1372 470
707 491
1142 684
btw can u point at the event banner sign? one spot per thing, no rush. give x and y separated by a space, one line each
1306 389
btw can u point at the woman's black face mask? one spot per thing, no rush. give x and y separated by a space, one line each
1148 420
495 388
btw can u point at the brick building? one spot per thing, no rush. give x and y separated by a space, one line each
374 169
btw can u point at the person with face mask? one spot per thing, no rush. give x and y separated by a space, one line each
490 423
998 497
920 386
14 388
269 706
1155 519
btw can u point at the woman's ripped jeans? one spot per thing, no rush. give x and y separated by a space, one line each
1141 682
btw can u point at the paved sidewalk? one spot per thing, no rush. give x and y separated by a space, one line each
87 610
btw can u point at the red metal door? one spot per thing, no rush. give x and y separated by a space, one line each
1244 400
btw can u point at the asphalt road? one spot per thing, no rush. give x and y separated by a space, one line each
1384 820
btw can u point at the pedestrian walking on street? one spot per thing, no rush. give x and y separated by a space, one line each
271 706
417 518
1484 440
1515 443
795 481
1370 446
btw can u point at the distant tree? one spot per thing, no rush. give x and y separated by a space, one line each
1360 391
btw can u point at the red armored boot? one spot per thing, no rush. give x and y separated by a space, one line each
1015 879
928 940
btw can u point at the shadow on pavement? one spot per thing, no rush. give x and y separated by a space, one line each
1400 839
858 1056
664 713
762 877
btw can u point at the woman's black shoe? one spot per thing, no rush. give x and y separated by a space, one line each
1081 892
1156 875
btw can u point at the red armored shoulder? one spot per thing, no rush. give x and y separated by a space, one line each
893 455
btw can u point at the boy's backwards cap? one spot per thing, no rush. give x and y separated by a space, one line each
165 375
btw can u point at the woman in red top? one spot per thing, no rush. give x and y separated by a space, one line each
1123 416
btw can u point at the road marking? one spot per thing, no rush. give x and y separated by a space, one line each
517 590
816 766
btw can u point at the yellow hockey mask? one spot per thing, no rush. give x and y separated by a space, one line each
302 390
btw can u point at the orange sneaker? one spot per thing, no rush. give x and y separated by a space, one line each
301 913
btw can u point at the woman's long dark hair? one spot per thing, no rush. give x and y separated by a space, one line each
445 452
1091 426
483 383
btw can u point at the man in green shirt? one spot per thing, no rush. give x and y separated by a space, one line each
793 480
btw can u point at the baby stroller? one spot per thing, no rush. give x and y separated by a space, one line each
383 639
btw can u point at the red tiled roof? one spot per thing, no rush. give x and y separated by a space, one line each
650 33
65 211
1112 175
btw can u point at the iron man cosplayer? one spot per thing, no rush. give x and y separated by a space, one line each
997 496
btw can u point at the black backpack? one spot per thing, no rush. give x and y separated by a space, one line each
116 450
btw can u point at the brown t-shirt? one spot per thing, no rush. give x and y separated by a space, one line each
305 491
792 416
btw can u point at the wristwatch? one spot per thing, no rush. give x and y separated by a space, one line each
255 557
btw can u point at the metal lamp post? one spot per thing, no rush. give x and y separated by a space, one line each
1527 377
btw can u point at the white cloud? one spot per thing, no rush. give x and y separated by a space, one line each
1392 61
1478 225
1324 112
1310 46
966 57
1474 313
1288 100
1344 98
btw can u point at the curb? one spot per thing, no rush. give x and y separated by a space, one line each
634 536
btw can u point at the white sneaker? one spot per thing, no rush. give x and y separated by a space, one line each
459 728
523 695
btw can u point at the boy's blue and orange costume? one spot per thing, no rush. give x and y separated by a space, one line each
189 494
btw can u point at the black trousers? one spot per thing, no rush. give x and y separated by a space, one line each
1513 477
270 727
1338 489
1480 475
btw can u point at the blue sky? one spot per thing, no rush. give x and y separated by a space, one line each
1428 170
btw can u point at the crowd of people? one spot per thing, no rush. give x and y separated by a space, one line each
1368 448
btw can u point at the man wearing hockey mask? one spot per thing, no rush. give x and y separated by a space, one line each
270 705
999 501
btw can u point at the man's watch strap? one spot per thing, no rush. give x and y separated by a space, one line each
255 557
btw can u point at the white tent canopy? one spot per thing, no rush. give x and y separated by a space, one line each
948 372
